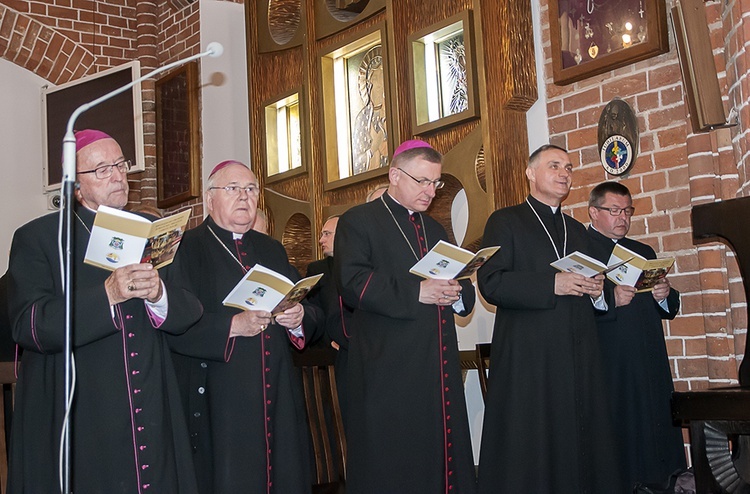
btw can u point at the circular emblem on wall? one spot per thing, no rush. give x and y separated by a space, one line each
616 155
618 137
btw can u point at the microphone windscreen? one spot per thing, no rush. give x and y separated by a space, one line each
215 49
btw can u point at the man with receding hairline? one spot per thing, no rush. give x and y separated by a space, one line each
546 425
128 432
407 429
243 398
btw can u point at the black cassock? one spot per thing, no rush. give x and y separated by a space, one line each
407 429
243 398
128 430
638 375
338 317
546 424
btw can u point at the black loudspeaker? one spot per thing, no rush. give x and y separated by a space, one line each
697 64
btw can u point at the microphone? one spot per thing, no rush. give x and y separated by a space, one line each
213 49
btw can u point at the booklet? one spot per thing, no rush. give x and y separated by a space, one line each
448 262
638 271
119 238
578 262
264 289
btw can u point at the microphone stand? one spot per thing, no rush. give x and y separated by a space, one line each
213 49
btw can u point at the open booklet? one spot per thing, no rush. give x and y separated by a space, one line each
119 238
638 271
447 262
578 262
264 289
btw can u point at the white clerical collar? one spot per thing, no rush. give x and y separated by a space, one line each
237 236
612 239
394 200
553 208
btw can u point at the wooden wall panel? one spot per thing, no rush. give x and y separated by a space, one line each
502 31
507 89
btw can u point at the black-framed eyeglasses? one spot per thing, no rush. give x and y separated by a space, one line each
424 182
107 170
233 190
616 211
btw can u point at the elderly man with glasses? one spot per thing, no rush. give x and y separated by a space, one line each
128 431
631 337
243 398
407 426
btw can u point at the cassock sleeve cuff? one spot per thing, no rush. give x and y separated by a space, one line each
157 311
297 337
600 303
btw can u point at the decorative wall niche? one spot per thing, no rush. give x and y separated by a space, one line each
442 79
332 16
284 123
280 24
356 109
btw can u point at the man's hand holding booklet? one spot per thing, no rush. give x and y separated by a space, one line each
639 272
578 262
264 289
448 262
120 238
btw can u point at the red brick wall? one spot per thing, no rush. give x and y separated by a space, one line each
179 37
675 170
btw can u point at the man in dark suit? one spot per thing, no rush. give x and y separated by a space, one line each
337 315
546 429
128 432
631 338
243 398
407 429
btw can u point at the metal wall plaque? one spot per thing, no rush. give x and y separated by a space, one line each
618 137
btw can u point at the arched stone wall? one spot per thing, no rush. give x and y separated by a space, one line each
41 49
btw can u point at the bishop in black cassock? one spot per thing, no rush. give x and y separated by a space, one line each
407 430
128 431
242 396
631 337
546 424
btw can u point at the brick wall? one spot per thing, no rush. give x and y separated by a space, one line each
675 170
179 37
106 30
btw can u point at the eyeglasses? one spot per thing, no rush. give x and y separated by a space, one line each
233 190
424 182
616 211
106 171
